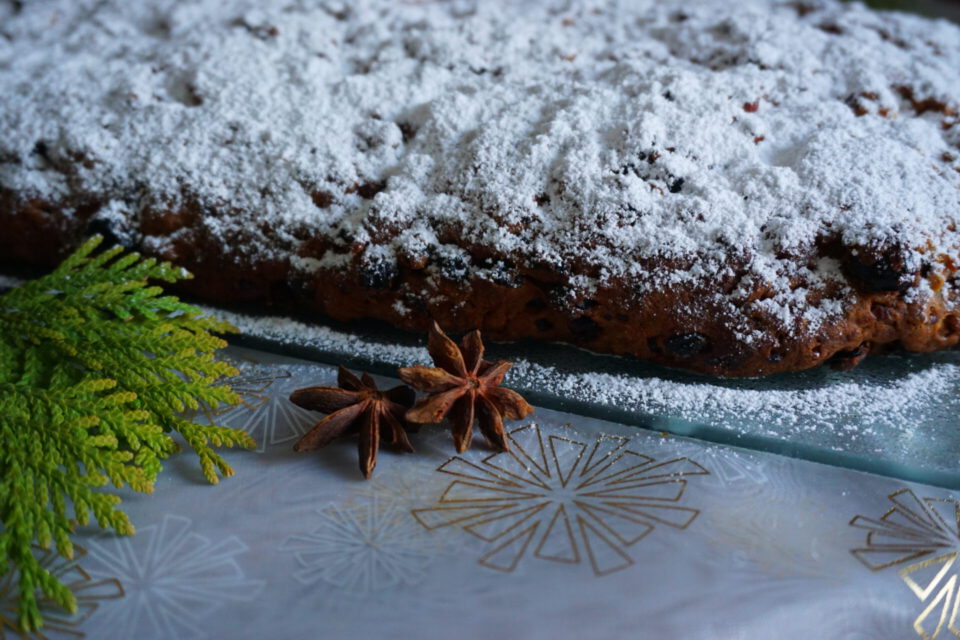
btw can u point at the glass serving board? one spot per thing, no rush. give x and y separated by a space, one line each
894 415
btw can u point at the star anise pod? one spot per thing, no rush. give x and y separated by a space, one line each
357 406
466 388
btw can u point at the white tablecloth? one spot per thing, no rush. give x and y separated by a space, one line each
586 529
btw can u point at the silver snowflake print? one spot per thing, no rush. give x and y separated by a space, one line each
174 578
362 549
730 466
265 411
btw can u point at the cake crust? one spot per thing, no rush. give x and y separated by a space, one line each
734 192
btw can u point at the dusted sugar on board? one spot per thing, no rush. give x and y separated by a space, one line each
899 408
732 188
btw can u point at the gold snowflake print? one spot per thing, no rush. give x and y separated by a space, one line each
922 536
562 500
57 622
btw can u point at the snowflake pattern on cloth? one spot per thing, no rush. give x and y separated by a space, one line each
174 579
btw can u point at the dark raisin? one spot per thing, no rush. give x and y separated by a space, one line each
112 231
407 131
584 328
687 344
554 267
587 303
536 305
559 297
883 313
453 267
847 360
502 272
508 279
854 103
41 149
676 186
378 274
542 199
542 324
322 199
369 189
952 323
878 271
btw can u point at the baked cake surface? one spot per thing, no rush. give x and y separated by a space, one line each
733 188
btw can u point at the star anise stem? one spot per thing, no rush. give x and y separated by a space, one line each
466 389
357 405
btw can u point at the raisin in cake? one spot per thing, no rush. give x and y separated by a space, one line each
732 188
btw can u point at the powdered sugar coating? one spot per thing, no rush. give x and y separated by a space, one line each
615 140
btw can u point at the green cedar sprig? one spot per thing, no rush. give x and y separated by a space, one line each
96 370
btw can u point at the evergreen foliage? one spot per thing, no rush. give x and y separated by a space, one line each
96 371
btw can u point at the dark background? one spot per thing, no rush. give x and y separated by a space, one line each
946 8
